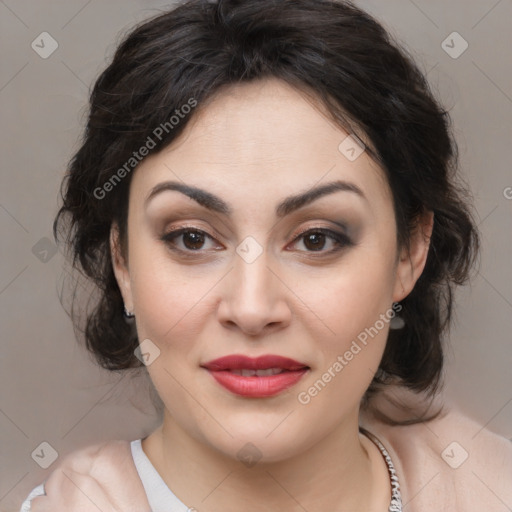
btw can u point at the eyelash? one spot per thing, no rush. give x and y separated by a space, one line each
341 240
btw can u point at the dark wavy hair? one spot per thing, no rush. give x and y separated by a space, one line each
330 50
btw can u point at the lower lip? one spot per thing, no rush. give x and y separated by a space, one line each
257 387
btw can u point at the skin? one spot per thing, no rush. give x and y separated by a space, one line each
252 146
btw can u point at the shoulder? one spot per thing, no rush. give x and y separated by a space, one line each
450 463
102 473
104 461
100 460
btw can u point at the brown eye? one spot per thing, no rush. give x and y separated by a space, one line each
193 239
188 240
314 241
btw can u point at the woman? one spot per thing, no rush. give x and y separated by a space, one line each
267 199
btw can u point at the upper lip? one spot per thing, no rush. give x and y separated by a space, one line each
241 362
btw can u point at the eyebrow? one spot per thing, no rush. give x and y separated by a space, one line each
285 207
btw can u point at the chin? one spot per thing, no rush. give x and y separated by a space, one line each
255 441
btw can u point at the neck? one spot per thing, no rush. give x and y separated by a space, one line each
344 471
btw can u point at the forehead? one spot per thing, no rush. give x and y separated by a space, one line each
260 135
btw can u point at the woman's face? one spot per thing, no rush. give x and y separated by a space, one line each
246 280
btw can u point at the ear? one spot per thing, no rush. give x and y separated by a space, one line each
412 259
120 267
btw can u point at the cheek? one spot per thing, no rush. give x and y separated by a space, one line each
171 308
351 296
355 308
169 298
353 303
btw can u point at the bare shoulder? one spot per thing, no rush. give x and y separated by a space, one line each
452 462
100 473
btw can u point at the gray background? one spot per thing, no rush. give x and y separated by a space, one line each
51 389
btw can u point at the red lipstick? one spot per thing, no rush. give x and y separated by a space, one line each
262 377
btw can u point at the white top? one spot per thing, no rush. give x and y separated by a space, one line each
162 499
450 463
36 491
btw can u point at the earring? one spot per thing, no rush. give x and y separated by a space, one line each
397 322
128 314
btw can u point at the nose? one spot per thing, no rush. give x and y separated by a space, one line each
254 298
